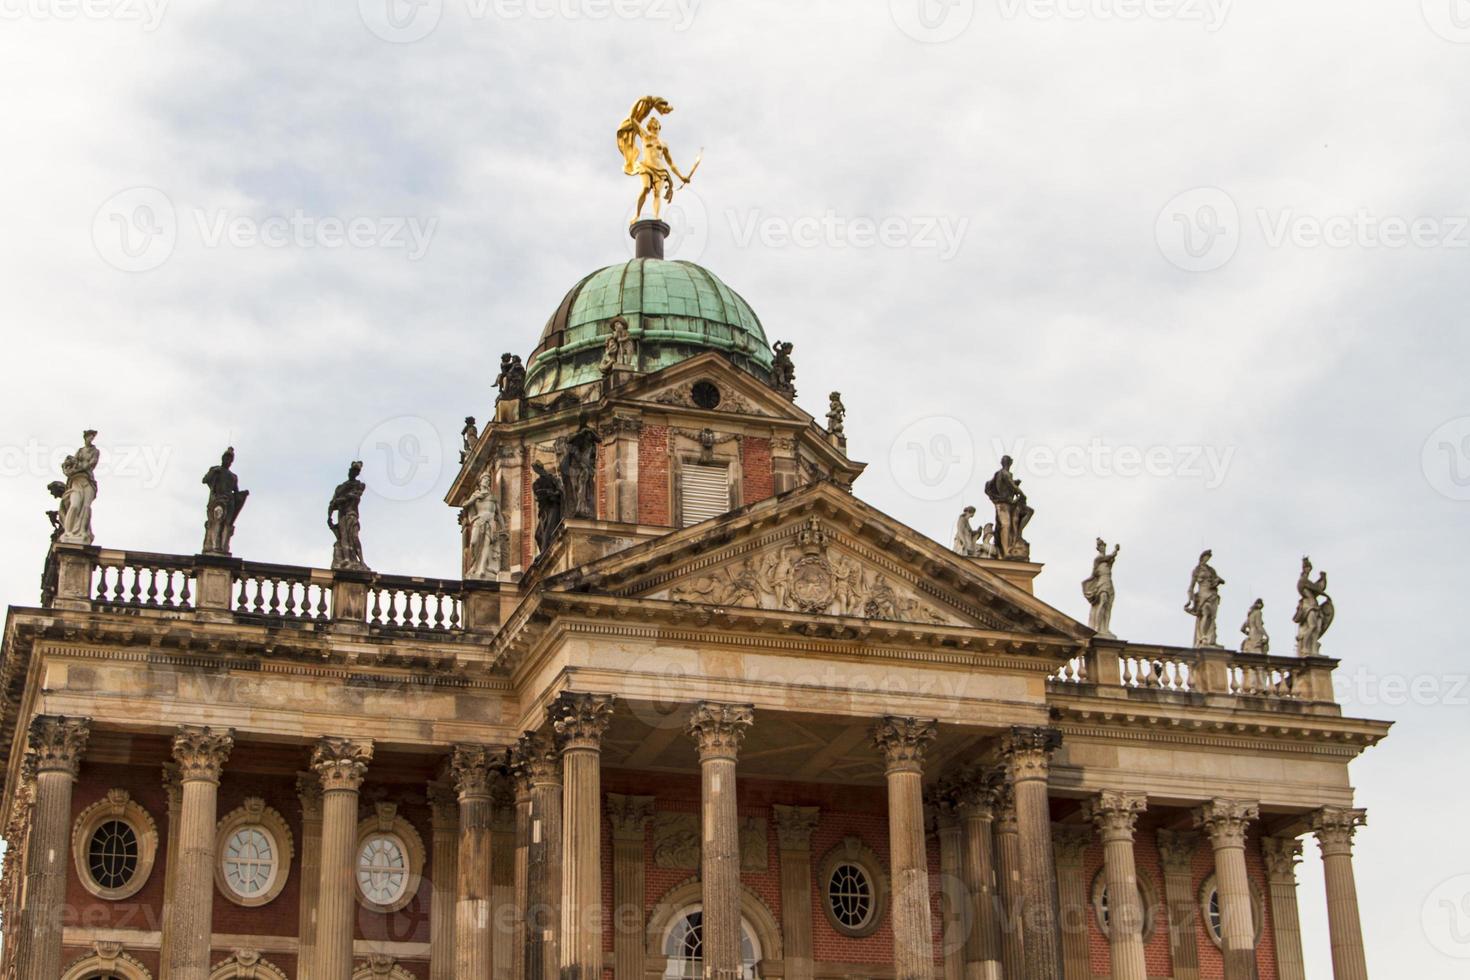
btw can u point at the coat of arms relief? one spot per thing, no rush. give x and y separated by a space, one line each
806 574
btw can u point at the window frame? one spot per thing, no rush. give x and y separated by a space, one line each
851 850
117 804
386 821
254 814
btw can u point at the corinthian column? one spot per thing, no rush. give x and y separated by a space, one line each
341 764
794 826
505 950
521 944
1281 855
1334 827
200 754
1176 853
309 792
1115 815
470 768
629 816
1226 821
1028 759
954 898
580 720
173 791
1008 883
444 854
902 742
976 799
56 744
538 764
1070 842
718 730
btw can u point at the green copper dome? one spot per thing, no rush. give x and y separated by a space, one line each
675 310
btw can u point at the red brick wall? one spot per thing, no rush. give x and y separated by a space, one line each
653 476
755 465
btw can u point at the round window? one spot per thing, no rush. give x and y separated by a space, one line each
253 848
851 895
705 395
1209 900
112 854
382 869
250 862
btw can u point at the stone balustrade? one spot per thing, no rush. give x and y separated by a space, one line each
1142 669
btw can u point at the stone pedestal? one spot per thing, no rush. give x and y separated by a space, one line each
340 764
74 566
648 238
1227 821
309 792
56 744
902 742
1335 827
1008 882
629 816
1176 855
976 808
1028 758
794 826
1281 855
718 729
200 754
580 720
1070 842
470 769
1115 815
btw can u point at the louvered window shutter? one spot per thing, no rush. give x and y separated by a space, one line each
706 493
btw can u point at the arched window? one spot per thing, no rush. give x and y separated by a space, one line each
684 947
107 961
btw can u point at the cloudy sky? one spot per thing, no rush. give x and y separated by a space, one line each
1200 265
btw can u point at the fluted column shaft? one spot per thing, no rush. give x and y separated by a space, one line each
1070 842
540 766
977 866
1281 855
309 792
341 764
794 826
1008 880
1176 854
954 898
470 769
521 776
902 742
1028 754
1115 815
173 791
1334 827
629 816
718 730
1227 822
57 745
504 948
444 858
200 754
580 720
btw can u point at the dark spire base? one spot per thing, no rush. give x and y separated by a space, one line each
648 238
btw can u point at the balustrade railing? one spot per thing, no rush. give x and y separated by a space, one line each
1160 672
283 592
1262 677
414 604
137 580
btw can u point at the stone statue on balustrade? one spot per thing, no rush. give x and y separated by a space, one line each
1203 602
547 490
577 461
486 531
79 492
1256 639
512 378
836 416
1097 589
783 368
973 542
1012 513
226 500
470 435
345 522
1314 611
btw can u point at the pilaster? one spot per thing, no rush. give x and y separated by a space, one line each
629 816
794 826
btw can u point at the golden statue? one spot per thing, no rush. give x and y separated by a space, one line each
654 162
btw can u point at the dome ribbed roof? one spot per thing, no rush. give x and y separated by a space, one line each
675 310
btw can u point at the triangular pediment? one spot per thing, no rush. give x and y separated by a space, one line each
819 552
738 392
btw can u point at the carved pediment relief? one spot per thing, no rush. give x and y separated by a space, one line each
807 571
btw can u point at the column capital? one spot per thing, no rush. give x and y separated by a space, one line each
443 804
1115 813
471 767
903 741
719 728
341 762
581 719
309 793
1070 842
939 801
1028 750
1282 854
1176 850
1005 809
975 794
534 761
173 787
201 752
629 815
794 825
1335 827
57 742
1226 821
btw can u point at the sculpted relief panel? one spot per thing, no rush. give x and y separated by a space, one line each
807 575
